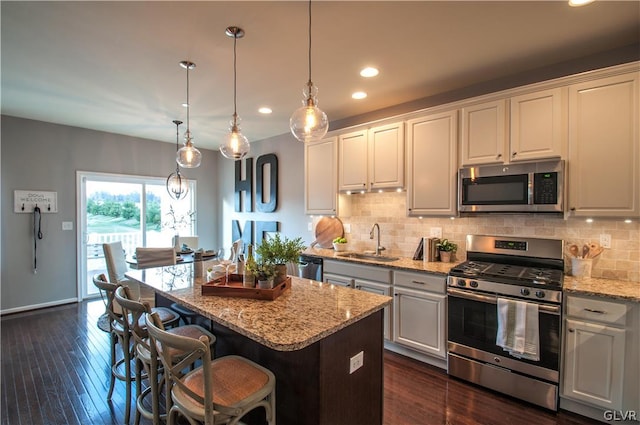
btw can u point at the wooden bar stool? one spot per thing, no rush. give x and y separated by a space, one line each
218 391
145 357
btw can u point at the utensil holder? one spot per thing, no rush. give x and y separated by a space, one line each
581 267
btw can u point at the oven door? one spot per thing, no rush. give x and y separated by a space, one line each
473 324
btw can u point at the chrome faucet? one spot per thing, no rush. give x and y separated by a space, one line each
378 247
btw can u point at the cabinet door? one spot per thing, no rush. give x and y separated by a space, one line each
537 129
379 289
321 176
386 156
604 147
594 363
484 133
419 321
432 164
352 160
335 279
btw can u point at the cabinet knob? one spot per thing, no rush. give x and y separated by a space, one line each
499 156
514 154
572 208
571 330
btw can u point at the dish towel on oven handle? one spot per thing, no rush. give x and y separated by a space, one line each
518 330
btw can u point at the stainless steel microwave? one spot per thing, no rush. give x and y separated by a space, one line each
514 188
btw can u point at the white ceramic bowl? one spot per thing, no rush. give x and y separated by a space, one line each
341 247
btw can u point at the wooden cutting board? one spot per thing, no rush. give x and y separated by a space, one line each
327 229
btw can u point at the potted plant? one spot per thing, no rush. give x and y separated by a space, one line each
446 248
264 273
279 251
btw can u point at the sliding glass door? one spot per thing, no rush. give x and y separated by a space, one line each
137 211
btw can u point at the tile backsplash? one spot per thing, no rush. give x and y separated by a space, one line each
400 234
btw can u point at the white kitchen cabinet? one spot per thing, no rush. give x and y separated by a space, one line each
484 133
386 156
534 129
604 147
321 177
600 355
353 161
538 125
419 312
372 159
432 164
335 279
380 289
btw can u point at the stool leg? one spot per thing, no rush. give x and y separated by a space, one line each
127 367
138 387
113 341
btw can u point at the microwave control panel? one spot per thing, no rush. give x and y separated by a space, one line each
545 188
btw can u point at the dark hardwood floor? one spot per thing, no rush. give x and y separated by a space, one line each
55 372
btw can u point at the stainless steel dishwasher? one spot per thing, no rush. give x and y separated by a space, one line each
310 267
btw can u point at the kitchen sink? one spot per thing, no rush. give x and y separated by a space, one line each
372 257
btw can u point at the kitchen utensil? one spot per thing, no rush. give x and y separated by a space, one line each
327 229
573 250
585 251
595 250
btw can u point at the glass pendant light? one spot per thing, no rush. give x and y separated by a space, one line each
309 123
188 156
235 145
177 185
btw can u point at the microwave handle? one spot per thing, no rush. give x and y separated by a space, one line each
530 189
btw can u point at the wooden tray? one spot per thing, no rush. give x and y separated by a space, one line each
235 289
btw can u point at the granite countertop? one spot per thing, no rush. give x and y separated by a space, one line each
608 288
307 313
403 263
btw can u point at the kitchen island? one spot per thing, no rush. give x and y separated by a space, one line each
306 337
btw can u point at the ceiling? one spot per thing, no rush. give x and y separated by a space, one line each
113 66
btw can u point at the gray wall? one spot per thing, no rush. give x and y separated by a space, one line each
42 156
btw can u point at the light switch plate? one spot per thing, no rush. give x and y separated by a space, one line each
347 227
436 232
67 225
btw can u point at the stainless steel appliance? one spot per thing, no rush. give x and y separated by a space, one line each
516 269
513 188
310 267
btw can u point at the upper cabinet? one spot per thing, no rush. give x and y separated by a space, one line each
371 159
321 177
533 131
604 147
432 164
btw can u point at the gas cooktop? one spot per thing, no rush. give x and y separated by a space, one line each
509 274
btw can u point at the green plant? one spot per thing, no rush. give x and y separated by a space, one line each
446 246
262 270
277 250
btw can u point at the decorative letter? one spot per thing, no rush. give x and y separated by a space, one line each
270 205
245 186
237 232
263 227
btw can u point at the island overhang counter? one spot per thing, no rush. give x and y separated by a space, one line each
307 337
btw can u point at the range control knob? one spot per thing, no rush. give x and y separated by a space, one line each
473 284
462 282
540 294
524 291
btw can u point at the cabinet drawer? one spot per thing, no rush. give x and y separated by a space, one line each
423 281
344 268
597 310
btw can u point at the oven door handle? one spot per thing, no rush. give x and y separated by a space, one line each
551 309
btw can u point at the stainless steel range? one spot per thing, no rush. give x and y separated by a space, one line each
504 316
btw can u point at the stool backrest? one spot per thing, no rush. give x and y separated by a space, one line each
155 257
116 264
133 312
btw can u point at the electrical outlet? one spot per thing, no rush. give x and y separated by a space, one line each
605 240
356 362
347 227
67 225
310 226
436 232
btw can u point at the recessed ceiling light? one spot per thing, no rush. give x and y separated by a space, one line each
369 72
578 3
359 95
265 110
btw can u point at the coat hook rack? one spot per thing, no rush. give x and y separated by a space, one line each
25 201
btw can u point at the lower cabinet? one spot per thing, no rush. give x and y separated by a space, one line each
381 289
335 279
601 351
419 312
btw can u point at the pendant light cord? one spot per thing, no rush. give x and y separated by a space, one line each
235 109
310 45
188 103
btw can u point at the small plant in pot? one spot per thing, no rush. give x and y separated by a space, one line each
264 273
340 244
446 248
279 251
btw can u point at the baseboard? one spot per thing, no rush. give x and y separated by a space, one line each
37 306
424 358
598 413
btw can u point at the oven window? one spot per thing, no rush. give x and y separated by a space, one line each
502 190
475 324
